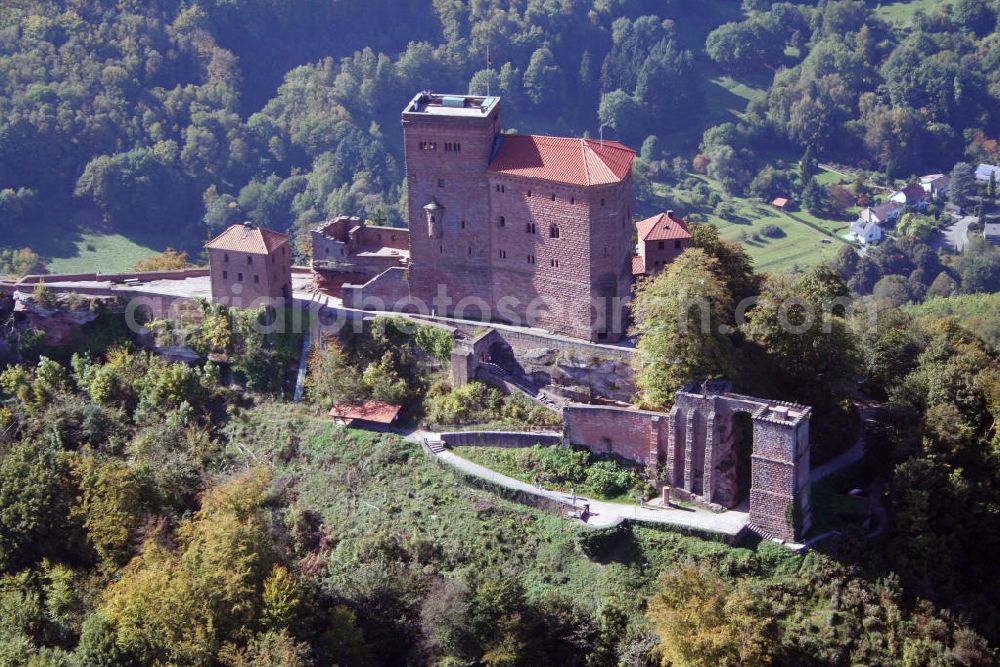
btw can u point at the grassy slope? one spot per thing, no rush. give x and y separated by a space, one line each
901 13
802 246
368 488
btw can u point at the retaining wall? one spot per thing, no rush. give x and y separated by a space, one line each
501 439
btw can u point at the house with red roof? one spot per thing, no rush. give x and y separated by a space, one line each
524 229
661 239
250 266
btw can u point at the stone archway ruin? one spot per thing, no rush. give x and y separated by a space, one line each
695 444
701 445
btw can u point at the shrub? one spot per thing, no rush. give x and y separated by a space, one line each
608 479
772 231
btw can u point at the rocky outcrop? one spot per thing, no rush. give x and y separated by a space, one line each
60 317
579 377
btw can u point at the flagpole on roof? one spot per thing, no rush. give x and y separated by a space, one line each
489 70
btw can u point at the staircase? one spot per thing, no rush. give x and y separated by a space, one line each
757 530
434 446
520 384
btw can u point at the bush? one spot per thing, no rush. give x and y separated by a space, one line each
608 479
772 231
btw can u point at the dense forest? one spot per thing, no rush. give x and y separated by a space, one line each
180 117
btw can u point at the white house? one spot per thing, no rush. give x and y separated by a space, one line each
882 213
865 232
936 185
983 172
912 196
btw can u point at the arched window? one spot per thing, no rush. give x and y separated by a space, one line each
554 231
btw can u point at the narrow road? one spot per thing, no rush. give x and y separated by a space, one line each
956 235
852 455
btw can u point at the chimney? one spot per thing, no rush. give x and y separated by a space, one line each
670 213
248 224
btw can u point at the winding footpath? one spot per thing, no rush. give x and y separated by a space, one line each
602 514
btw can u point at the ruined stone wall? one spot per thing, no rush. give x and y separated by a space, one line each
502 439
382 292
629 434
385 237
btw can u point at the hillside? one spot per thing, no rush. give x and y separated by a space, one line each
141 127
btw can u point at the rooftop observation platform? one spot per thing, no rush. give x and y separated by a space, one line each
450 106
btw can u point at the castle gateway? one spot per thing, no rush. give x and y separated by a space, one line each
523 229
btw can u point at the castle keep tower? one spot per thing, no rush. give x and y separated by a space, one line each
448 142
524 229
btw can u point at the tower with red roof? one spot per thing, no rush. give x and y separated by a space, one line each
525 229
250 266
661 239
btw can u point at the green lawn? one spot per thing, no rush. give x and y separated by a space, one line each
900 14
106 253
807 241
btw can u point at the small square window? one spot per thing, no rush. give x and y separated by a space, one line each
677 244
660 245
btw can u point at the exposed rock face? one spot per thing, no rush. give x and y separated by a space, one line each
579 377
59 321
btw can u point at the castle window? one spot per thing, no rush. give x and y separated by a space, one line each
256 279
554 263
660 245
677 244
440 182
572 200
463 224
239 277
553 196
225 257
428 146
530 227
503 221
531 259
225 275
602 202
441 248
503 254
529 193
470 250
554 231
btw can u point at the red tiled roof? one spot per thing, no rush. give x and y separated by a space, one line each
248 238
780 202
369 411
637 268
562 159
913 192
662 227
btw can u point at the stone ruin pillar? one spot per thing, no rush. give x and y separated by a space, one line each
779 487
